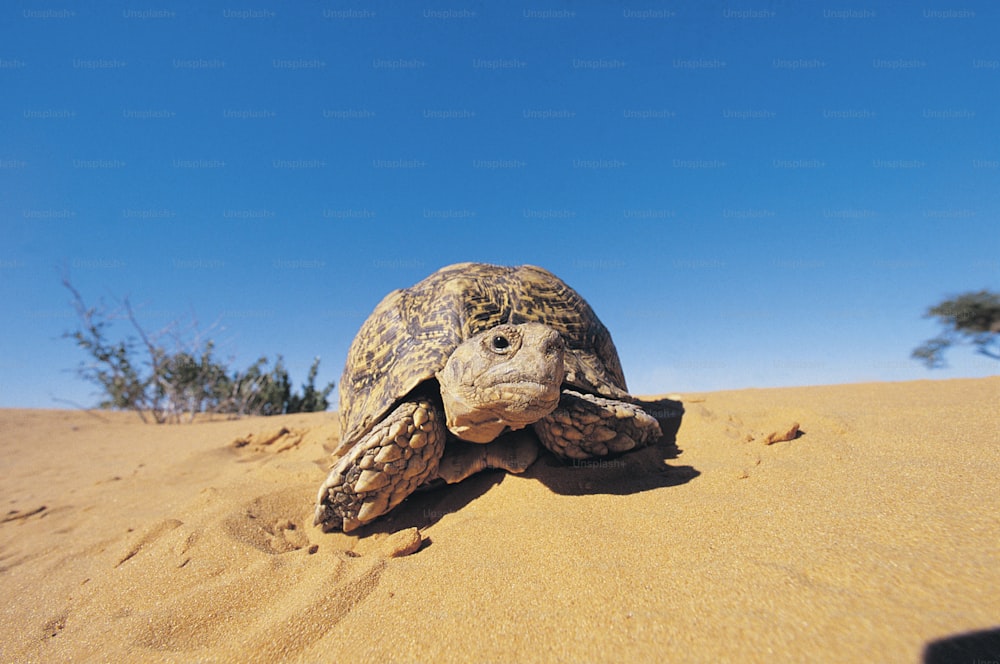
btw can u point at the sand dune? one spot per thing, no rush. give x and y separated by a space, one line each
874 535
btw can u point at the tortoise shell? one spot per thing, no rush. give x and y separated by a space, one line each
409 336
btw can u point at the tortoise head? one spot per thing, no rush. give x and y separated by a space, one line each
509 376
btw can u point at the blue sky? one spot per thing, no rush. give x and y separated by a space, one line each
749 194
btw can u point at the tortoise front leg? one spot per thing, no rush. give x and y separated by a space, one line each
585 426
383 467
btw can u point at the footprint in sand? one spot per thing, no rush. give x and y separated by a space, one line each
270 522
257 582
276 523
273 597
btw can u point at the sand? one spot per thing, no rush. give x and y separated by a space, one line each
872 534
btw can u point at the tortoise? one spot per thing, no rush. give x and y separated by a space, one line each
444 378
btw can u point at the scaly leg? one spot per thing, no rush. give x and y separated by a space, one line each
383 467
585 426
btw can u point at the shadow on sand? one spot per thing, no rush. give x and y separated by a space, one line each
971 647
624 474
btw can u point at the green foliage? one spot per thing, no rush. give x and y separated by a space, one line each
312 400
972 318
185 382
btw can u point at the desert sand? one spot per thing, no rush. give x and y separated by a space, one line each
872 535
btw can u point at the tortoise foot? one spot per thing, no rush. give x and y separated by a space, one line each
383 467
585 426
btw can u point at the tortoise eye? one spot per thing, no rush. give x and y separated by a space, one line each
500 343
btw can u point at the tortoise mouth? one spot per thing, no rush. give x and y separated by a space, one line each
525 397
522 384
